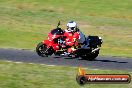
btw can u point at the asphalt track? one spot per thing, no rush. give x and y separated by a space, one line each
101 62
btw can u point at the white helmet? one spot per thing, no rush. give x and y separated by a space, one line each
71 26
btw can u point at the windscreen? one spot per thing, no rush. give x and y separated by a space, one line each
57 31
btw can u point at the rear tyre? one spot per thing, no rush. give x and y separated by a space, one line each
91 56
95 54
40 49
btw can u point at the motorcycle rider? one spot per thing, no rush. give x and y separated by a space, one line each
73 36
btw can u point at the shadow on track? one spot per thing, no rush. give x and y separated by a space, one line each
111 61
64 57
96 60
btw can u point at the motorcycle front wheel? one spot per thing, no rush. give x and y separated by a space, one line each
41 50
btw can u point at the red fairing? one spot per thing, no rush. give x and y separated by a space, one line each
50 41
55 46
71 38
47 42
51 37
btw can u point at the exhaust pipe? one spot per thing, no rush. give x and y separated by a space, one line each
96 49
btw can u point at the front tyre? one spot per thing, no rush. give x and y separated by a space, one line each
40 49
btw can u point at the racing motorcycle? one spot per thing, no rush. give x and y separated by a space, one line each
56 41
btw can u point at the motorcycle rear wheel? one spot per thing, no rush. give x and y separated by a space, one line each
91 56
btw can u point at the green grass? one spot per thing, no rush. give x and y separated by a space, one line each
24 23
24 75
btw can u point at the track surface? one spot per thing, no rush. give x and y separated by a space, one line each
101 62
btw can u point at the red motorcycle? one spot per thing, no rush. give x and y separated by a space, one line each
55 44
